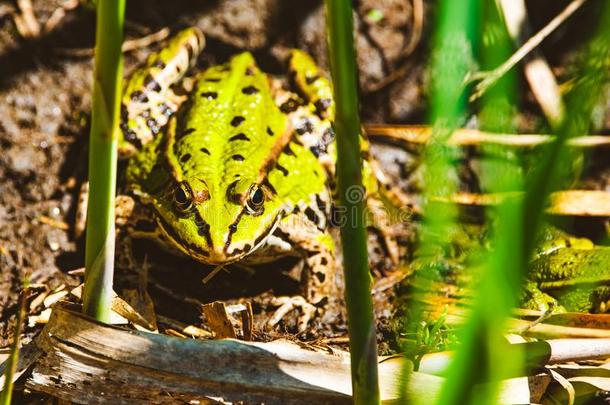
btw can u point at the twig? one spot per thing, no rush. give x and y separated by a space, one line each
537 71
420 134
414 39
58 14
537 354
145 41
26 22
581 203
489 78
128 46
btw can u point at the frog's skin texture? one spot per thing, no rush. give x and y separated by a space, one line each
569 274
239 169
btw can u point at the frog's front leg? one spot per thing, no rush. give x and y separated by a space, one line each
148 97
318 277
534 298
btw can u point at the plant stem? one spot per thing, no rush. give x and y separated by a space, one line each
108 71
362 332
12 361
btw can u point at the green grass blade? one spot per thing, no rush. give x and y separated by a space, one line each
107 77
452 58
13 359
484 356
362 332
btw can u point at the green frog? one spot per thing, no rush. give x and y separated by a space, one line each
235 166
566 273
569 274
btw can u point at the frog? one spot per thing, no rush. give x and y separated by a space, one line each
232 165
568 274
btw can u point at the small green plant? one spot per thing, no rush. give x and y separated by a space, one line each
430 335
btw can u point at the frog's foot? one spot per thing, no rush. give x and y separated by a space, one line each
287 304
318 278
534 298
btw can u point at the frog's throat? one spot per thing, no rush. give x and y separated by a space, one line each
215 257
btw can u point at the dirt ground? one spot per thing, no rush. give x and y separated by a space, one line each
44 114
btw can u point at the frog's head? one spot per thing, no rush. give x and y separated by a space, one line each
216 223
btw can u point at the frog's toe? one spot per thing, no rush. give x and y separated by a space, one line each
287 304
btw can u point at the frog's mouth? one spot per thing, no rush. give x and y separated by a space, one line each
177 242
205 256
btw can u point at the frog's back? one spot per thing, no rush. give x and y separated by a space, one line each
232 134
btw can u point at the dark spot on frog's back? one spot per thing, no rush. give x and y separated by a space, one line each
212 79
249 71
288 150
282 169
151 84
311 79
237 120
269 131
320 203
165 109
189 49
322 105
185 132
239 137
270 186
317 150
249 90
312 216
210 95
185 158
238 158
205 150
304 127
289 106
139 96
153 125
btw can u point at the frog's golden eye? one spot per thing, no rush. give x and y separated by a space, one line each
255 200
183 198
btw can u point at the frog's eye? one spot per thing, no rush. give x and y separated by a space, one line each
255 200
183 198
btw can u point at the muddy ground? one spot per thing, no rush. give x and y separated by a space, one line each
44 114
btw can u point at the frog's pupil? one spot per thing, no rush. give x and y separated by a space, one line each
257 197
181 197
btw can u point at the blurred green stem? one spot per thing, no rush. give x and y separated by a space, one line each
107 76
13 360
362 332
